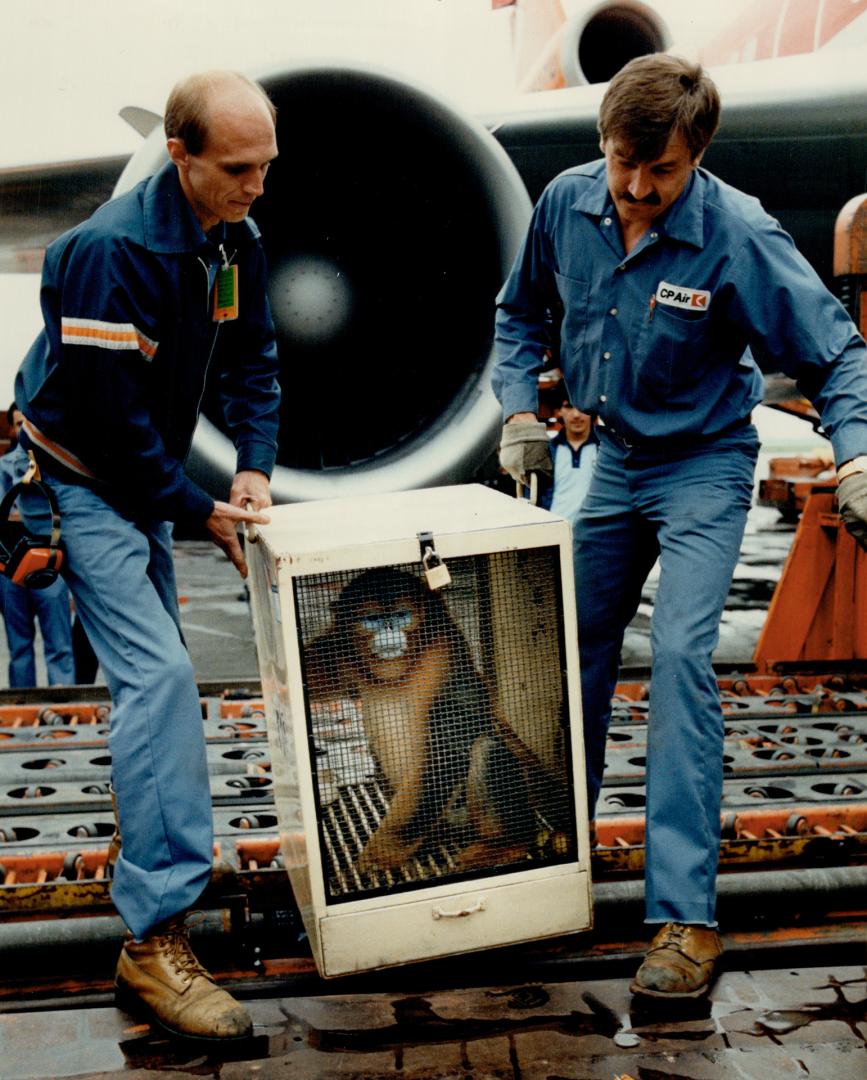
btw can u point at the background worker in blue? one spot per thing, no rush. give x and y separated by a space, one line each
160 290
573 453
665 283
22 607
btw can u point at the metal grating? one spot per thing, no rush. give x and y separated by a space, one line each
436 721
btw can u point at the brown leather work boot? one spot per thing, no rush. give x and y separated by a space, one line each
162 972
679 963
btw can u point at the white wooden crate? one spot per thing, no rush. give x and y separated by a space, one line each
426 745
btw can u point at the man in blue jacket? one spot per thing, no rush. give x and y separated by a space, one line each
160 290
664 283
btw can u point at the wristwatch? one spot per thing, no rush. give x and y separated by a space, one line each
849 468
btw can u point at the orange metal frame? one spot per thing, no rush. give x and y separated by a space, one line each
813 614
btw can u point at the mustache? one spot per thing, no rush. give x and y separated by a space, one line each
649 200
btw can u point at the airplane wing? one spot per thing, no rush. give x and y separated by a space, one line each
39 202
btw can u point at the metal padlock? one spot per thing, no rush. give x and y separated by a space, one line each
436 573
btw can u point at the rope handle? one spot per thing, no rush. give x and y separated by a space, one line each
533 488
250 531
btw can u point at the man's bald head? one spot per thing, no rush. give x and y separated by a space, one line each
220 134
195 100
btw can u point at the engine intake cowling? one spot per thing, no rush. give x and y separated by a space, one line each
597 43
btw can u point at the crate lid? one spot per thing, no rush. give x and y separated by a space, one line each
366 519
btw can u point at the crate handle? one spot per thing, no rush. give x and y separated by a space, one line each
532 488
250 526
462 913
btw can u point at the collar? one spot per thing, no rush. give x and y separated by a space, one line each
683 221
560 439
170 225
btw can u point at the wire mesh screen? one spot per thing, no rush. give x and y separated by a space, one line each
437 721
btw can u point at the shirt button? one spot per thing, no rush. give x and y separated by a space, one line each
613 311
602 397
654 236
606 221
606 356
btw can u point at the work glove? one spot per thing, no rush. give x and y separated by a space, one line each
852 501
524 449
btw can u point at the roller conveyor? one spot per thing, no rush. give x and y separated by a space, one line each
795 790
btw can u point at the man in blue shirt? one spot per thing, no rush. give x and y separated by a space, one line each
667 285
573 450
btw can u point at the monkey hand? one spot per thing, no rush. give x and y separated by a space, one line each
524 449
852 500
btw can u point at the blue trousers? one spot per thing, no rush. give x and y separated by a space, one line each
687 507
21 607
121 576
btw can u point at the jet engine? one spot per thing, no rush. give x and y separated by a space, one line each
389 220
597 43
590 46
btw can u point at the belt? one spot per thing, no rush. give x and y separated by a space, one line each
54 456
662 443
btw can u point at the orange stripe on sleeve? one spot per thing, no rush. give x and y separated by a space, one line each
107 335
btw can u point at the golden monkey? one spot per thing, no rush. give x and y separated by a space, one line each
430 723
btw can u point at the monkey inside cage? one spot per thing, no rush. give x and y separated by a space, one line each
423 725
438 734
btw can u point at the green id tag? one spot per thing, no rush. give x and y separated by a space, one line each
226 294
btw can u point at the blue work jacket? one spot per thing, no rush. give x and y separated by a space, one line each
663 342
116 377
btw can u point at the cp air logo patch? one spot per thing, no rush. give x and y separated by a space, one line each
682 296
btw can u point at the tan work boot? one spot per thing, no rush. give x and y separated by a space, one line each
162 972
679 963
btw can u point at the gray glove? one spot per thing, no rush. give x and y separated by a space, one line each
852 500
524 449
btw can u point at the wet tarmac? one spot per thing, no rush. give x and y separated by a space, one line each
215 612
757 1025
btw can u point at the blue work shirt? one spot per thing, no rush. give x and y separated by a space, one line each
662 343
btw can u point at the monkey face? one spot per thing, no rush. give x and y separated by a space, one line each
383 620
388 630
382 634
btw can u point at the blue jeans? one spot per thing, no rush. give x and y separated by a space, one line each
121 576
688 507
21 607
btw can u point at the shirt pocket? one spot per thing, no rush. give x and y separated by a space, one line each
575 298
674 354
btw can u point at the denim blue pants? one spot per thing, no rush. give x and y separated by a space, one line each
21 607
121 576
687 507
